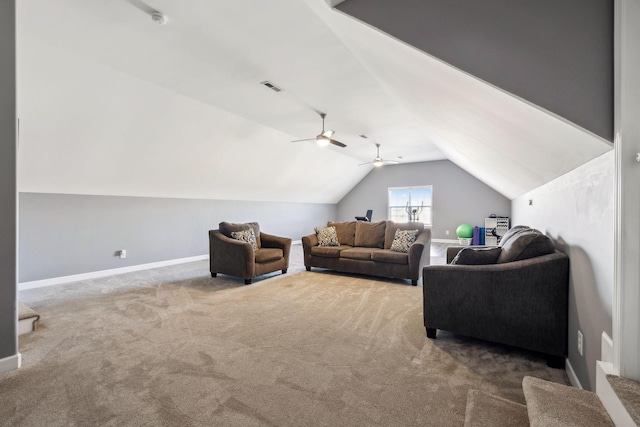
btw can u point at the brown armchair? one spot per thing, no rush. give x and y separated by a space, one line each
238 258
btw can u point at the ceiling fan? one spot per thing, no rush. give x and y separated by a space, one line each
324 138
377 162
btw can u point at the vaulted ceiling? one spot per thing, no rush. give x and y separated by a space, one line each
112 103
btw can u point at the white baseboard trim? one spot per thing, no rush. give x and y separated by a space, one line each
608 397
103 273
10 363
296 242
454 241
573 378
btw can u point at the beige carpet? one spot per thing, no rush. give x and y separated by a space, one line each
172 346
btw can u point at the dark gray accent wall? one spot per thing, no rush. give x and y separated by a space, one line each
555 54
8 208
63 234
458 197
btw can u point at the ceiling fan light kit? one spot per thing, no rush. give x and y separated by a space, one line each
324 137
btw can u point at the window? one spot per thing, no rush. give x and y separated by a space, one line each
410 204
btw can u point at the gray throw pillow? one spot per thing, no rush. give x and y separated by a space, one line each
525 245
477 256
327 236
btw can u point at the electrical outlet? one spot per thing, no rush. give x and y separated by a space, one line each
123 253
580 342
446 232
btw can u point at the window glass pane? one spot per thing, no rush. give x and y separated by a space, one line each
416 199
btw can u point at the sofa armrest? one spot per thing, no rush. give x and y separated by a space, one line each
521 303
307 243
419 255
230 256
271 241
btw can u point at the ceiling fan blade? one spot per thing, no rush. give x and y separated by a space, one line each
366 163
390 162
301 140
338 143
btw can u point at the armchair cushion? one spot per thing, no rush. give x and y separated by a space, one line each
477 256
227 227
268 254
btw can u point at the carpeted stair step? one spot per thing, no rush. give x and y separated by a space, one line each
487 410
628 391
27 319
551 404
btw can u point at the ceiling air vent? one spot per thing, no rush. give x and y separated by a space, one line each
363 136
271 86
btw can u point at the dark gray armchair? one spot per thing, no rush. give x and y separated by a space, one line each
519 302
238 258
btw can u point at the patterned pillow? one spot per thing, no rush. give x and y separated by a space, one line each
403 239
327 236
246 236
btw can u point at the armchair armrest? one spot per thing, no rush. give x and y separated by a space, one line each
271 241
230 256
307 243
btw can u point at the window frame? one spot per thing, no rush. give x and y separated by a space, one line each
411 188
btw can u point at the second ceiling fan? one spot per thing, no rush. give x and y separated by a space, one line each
377 161
324 138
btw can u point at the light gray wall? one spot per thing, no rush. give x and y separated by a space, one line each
576 210
556 54
458 197
63 234
8 329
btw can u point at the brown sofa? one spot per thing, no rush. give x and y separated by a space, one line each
237 258
365 248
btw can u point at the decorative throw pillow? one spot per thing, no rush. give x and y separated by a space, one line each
403 240
327 236
246 236
477 256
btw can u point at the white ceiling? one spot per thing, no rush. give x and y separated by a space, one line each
112 103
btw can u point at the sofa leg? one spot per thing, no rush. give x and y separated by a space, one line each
247 281
431 333
414 282
308 268
284 271
213 274
556 362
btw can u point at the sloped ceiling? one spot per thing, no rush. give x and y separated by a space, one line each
112 103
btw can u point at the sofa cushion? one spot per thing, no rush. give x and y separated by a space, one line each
370 234
390 231
268 254
524 245
246 236
346 231
227 227
512 232
328 251
390 257
359 253
477 256
403 240
327 236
